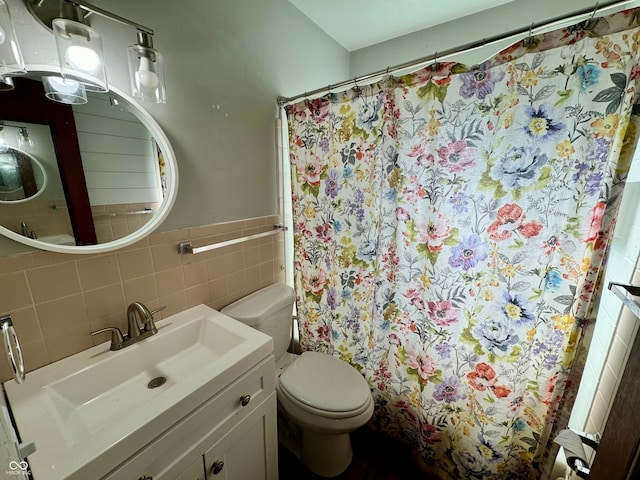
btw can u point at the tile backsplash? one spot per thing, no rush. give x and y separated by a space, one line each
56 300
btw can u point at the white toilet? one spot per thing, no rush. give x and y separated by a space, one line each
324 396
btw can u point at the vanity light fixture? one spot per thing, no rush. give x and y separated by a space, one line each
80 49
146 70
11 61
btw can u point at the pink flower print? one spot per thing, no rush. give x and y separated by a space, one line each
551 244
511 219
423 158
433 231
456 156
429 433
323 333
314 280
595 222
443 313
421 362
324 232
402 214
311 171
414 298
319 109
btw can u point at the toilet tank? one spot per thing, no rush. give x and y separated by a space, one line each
268 310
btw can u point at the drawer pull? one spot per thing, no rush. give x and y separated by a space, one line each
245 399
145 477
217 467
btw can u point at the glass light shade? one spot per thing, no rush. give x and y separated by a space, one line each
11 61
80 54
146 73
6 84
24 139
64 91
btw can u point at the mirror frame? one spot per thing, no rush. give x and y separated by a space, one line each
167 203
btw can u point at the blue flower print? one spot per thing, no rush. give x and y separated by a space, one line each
468 253
552 280
520 167
495 335
542 124
368 114
479 82
588 75
517 311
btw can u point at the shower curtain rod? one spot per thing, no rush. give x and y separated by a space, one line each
283 101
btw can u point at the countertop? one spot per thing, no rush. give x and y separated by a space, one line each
11 465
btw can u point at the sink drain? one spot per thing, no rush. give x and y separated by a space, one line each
156 382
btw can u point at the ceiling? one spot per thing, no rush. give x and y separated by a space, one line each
356 24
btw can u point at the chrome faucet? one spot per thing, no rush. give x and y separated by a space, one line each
24 228
135 332
140 309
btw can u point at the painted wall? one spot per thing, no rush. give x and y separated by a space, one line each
226 62
470 29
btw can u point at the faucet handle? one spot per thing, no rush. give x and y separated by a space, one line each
159 309
149 324
117 339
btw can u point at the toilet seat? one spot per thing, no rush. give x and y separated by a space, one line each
326 386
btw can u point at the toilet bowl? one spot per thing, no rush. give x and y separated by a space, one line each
324 396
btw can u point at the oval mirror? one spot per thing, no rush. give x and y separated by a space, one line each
111 174
22 176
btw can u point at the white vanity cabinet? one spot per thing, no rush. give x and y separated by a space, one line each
231 436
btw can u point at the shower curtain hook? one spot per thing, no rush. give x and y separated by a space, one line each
589 24
434 65
528 41
356 88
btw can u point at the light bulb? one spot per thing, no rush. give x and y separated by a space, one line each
145 74
83 58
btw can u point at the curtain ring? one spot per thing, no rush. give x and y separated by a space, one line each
356 88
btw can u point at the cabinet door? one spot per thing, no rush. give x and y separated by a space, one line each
195 471
249 450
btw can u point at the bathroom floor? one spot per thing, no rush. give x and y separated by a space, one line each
375 457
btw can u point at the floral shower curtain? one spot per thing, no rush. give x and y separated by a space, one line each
450 229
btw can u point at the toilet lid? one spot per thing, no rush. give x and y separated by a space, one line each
326 383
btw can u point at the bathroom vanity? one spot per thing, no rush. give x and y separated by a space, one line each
195 401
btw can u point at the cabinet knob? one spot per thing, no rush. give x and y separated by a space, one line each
217 467
245 399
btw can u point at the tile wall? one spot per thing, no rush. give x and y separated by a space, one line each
615 327
57 300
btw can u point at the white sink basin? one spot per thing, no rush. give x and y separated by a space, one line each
59 239
87 413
